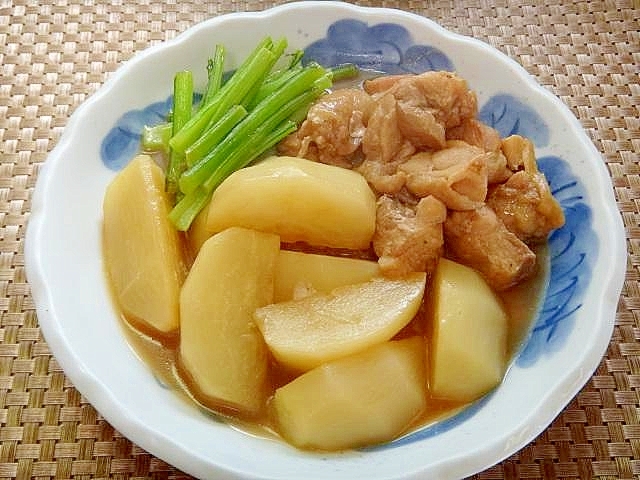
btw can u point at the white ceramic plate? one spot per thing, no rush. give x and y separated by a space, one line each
79 322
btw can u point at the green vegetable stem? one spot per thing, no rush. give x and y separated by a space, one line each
215 70
237 120
156 138
182 107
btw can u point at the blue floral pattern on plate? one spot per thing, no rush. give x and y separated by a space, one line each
123 140
572 249
509 116
390 48
385 47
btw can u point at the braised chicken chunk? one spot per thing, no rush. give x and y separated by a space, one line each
456 175
333 130
383 83
384 177
429 103
384 140
474 132
408 239
524 202
479 239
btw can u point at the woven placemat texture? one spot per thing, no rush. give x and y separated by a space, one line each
54 54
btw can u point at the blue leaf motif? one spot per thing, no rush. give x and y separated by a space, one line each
122 142
118 147
422 58
572 249
511 116
384 47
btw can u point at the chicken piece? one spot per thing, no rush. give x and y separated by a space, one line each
381 84
383 177
420 126
475 132
333 130
497 170
518 151
383 140
385 148
408 239
479 239
456 175
525 203
430 103
444 94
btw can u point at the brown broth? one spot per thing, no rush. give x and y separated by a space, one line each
521 304
523 301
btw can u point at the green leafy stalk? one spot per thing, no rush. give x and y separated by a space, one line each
270 108
343 72
182 107
156 138
242 82
214 135
296 59
279 78
277 50
231 93
270 86
188 208
263 140
215 70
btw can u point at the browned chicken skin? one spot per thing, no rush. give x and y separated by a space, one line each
384 141
456 175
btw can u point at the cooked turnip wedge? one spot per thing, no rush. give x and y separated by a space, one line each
299 274
221 349
142 250
299 200
469 334
304 333
362 399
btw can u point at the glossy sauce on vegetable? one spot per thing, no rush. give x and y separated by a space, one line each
520 302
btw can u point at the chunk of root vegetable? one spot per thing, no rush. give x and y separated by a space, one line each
221 350
142 250
469 334
299 274
299 200
305 333
362 399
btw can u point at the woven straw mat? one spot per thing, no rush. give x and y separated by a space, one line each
54 55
